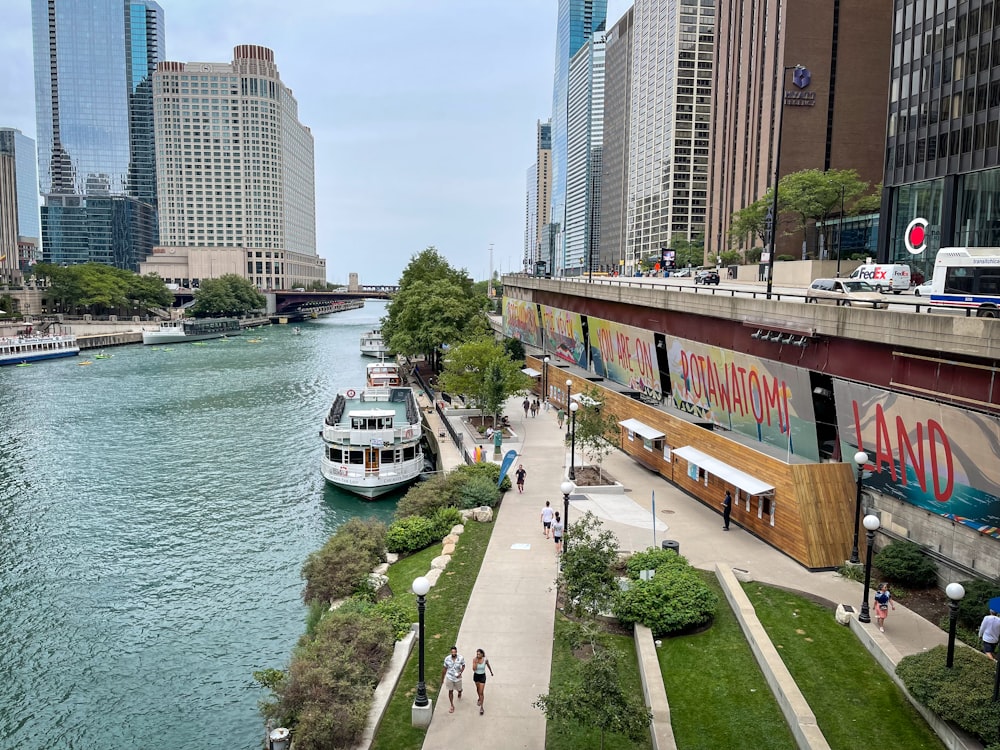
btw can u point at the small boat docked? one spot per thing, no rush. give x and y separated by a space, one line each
192 329
20 350
383 375
371 441
372 344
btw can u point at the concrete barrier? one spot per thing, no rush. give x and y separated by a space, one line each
660 730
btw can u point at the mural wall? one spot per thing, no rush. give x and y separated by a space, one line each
520 321
625 355
563 332
938 457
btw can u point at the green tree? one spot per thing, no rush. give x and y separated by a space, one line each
149 291
813 195
750 223
482 372
227 295
587 577
596 428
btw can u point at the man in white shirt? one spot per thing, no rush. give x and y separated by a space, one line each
989 632
547 514
454 665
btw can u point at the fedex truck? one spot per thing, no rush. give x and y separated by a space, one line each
885 277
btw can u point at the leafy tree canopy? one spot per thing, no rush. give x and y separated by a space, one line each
483 373
101 287
228 295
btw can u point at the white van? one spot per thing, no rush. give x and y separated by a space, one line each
885 277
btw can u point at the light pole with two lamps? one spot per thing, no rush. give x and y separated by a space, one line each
955 592
860 458
871 524
565 488
573 408
420 713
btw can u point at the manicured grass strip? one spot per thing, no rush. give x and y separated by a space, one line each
446 605
717 693
855 702
563 662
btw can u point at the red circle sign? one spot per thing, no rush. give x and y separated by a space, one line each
915 237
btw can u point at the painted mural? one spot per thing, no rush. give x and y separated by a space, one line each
520 321
625 355
563 332
766 400
938 457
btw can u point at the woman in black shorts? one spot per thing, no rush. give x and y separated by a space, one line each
479 666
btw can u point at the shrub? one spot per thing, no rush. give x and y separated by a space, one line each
587 577
342 565
478 491
489 470
904 562
444 520
391 611
425 498
976 602
963 694
670 601
410 534
653 559
784 257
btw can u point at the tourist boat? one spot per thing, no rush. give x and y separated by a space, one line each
383 375
372 344
371 441
192 329
19 350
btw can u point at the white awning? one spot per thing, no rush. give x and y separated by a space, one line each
640 429
531 372
750 485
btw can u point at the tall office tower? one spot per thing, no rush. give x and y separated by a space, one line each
669 124
584 141
831 115
19 230
235 175
93 101
614 174
539 196
578 21
942 165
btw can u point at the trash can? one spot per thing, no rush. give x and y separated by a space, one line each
279 739
671 545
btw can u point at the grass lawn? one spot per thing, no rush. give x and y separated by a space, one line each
446 605
855 702
718 695
562 663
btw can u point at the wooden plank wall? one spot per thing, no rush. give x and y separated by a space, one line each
813 504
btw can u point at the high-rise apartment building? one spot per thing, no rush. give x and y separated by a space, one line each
831 113
577 21
235 174
93 100
942 157
669 123
539 190
19 229
584 142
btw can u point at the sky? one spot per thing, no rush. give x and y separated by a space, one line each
423 113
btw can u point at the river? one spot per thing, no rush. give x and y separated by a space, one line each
155 511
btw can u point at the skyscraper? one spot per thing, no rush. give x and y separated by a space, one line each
578 20
235 174
93 100
19 236
539 197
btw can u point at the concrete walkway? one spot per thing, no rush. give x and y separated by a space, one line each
512 608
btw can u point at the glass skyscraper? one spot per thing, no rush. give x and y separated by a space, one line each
96 159
18 204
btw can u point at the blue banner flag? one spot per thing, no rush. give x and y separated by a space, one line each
508 461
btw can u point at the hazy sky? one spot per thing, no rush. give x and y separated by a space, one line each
423 113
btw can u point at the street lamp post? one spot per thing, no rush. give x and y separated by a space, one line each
777 175
569 393
871 524
860 458
955 592
565 488
421 711
840 229
545 379
572 440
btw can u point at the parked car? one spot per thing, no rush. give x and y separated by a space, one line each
680 273
845 292
706 277
924 290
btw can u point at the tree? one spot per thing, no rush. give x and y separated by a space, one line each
483 373
230 295
595 428
813 195
587 577
751 222
149 291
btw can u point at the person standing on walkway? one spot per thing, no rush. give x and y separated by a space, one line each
883 600
479 666
454 665
727 510
526 405
989 632
547 516
560 417
557 533
520 474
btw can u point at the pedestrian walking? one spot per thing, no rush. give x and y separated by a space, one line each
526 405
534 408
557 532
479 666
454 666
520 474
883 600
989 632
560 417
547 516
727 510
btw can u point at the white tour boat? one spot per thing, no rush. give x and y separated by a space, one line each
18 350
372 344
192 329
383 375
371 441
